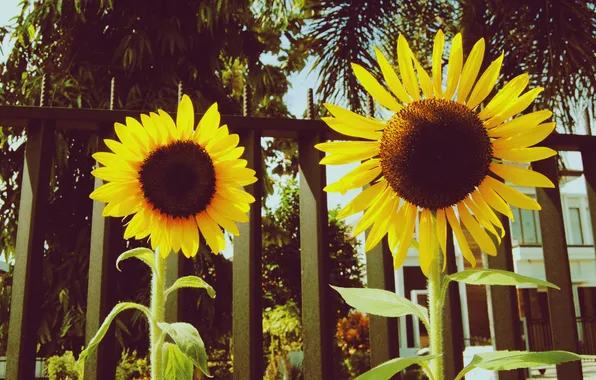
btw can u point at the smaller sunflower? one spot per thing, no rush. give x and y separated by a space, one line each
174 180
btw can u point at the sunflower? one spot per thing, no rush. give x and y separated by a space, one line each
175 180
439 157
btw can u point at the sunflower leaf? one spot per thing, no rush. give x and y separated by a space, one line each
177 366
189 342
381 302
191 282
497 277
101 332
508 360
144 254
391 367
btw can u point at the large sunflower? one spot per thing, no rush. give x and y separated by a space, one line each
439 157
175 180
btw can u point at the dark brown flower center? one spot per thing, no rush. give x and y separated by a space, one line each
435 152
178 179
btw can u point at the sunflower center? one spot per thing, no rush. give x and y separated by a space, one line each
435 152
178 179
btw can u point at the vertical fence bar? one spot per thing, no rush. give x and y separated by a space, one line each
247 324
174 269
106 243
26 298
503 313
556 264
589 164
316 316
384 342
453 334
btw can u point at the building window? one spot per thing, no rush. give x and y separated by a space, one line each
577 236
526 226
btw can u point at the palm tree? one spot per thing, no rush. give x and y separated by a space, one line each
552 40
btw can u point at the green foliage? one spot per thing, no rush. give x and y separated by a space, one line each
282 328
144 254
393 366
103 329
191 282
353 338
496 277
381 302
508 360
64 367
132 367
189 343
177 365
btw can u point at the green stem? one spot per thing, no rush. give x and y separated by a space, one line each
435 308
158 312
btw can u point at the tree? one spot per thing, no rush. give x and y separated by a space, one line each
552 40
212 46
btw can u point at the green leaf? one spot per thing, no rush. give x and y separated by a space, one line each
106 325
508 360
189 342
381 302
393 366
496 277
177 366
144 254
191 282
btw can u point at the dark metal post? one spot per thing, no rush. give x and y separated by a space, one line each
556 262
453 333
502 305
26 299
314 221
247 324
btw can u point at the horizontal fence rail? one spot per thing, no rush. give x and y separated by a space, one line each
40 123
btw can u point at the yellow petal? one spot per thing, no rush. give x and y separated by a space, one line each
211 232
116 175
373 211
526 139
520 124
115 161
152 131
495 201
396 223
425 253
133 225
123 208
437 62
185 118
456 58
373 87
511 195
122 151
221 133
470 71
442 234
225 145
208 125
347 147
404 60
339 127
353 120
478 233
524 154
381 224
392 79
169 127
227 223
138 133
425 81
507 95
126 137
482 219
487 211
356 178
486 83
116 191
459 235
363 200
405 238
339 159
190 236
235 195
519 105
227 209
175 233
520 176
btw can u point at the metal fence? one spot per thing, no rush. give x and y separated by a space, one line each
41 122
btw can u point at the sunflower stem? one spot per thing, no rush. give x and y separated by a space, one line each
158 312
435 308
